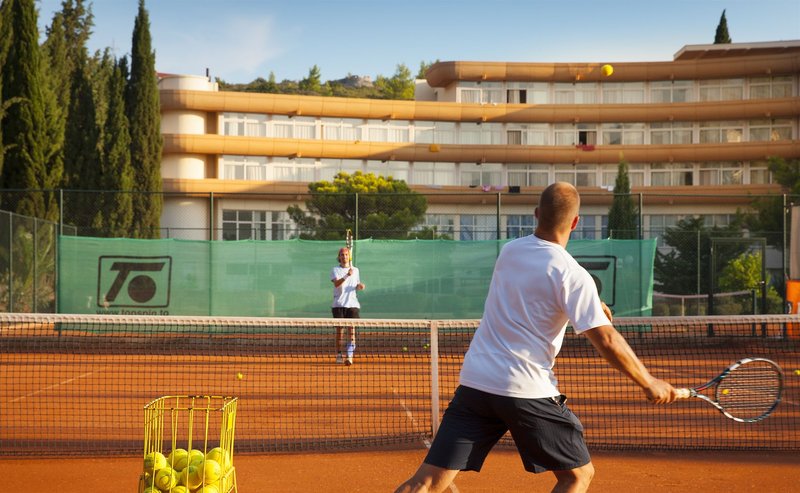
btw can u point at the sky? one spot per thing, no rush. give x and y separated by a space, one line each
241 40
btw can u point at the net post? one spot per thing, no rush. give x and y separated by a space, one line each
434 338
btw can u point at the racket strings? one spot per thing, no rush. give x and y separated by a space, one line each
750 391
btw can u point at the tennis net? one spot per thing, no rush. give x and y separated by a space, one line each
74 385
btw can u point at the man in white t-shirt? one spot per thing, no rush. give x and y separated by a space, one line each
507 381
346 281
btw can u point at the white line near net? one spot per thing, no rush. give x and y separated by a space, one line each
64 382
416 425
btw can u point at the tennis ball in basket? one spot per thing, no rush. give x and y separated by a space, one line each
151 489
153 462
195 457
222 457
178 459
212 471
179 489
166 478
192 476
209 488
607 70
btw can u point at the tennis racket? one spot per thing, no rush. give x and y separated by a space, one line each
747 391
348 242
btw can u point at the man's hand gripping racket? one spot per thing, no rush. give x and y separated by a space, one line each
747 391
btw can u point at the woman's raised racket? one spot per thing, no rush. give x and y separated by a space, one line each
348 242
747 391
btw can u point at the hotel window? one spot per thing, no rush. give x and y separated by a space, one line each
517 96
770 130
565 134
586 229
300 169
724 131
623 92
388 131
492 92
436 174
232 123
341 129
721 90
664 91
721 173
670 133
469 95
671 174
284 127
659 223
587 133
538 93
537 134
770 87
477 227
474 175
438 224
423 132
398 170
759 172
444 133
609 175
519 225
329 168
485 133
244 225
515 137
528 175
623 133
580 175
244 168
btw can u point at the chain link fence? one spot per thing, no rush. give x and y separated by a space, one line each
703 265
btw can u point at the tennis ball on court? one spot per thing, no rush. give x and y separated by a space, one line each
153 462
178 459
166 478
240 375
607 70
221 456
212 471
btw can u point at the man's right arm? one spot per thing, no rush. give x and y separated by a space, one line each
615 349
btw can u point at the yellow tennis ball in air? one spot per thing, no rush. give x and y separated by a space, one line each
166 478
405 348
726 391
797 372
221 457
153 462
178 459
607 70
240 375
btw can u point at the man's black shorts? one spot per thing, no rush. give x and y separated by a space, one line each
547 434
342 312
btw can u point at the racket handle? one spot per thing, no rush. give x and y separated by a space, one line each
683 393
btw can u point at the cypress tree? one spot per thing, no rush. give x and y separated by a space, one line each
722 36
623 216
24 123
116 174
144 117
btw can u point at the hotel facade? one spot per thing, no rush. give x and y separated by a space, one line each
482 139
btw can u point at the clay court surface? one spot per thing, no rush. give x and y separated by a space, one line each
646 472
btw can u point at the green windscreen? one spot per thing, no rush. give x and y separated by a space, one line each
438 279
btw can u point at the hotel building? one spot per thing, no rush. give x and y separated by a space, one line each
696 132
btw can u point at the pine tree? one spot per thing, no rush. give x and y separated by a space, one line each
23 124
623 217
144 117
116 174
722 36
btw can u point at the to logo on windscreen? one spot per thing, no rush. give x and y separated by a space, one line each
603 269
133 282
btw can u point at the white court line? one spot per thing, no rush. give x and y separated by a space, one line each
64 382
414 422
